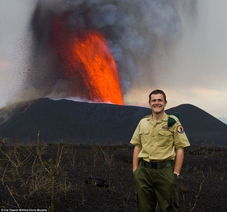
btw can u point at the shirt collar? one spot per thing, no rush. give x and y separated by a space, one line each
164 118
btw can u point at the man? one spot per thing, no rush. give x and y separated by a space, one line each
159 140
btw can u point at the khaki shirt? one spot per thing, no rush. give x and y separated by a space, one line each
157 141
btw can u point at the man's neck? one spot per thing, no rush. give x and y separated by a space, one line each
157 116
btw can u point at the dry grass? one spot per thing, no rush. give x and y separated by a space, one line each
63 177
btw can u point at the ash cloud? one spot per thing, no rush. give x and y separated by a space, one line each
140 34
136 31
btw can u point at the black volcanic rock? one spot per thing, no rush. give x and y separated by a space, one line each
79 122
201 127
76 122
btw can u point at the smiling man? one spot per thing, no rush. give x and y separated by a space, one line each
158 156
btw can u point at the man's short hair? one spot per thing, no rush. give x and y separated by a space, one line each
157 91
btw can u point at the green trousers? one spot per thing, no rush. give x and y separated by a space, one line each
155 185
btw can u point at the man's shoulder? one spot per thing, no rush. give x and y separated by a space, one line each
173 119
174 116
145 119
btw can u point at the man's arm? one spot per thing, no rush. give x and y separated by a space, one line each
179 161
135 160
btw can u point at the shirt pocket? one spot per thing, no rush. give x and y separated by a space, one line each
145 136
165 138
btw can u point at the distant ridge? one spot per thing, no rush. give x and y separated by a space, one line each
223 119
80 122
201 127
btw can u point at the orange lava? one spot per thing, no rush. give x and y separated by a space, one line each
96 64
88 63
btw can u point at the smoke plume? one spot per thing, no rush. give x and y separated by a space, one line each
170 44
136 33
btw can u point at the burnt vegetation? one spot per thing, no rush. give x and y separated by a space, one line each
65 177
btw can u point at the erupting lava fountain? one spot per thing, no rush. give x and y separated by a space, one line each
88 63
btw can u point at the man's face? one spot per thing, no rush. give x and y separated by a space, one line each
157 103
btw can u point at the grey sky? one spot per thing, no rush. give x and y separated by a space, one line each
196 70
14 46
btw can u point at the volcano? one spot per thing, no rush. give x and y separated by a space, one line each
98 123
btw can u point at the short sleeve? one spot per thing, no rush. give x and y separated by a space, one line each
180 137
135 140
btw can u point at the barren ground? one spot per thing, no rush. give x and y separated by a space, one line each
99 178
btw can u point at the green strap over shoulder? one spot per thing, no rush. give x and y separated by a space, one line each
172 121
